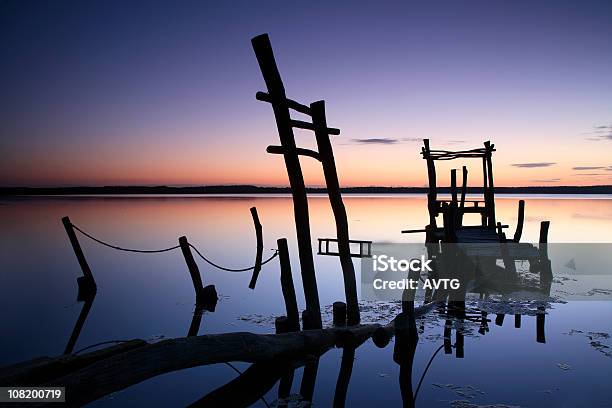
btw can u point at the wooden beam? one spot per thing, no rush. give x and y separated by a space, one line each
296 106
300 124
299 151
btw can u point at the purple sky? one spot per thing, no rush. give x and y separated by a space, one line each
112 92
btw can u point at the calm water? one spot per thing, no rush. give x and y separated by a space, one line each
150 295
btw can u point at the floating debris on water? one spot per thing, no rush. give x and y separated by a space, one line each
467 404
564 366
468 391
595 340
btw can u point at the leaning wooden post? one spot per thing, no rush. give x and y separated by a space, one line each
276 93
87 284
258 256
204 295
335 198
519 223
291 307
78 326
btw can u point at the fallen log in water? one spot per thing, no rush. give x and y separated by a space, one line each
119 371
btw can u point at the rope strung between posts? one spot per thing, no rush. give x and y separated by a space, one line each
142 251
155 251
229 269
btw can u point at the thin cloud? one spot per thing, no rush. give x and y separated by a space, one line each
533 165
376 140
580 168
599 133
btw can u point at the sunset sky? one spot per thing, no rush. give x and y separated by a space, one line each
150 92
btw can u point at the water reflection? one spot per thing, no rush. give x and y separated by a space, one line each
141 297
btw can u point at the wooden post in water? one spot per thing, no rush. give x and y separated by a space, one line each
519 223
326 155
454 217
485 190
509 264
432 204
453 186
284 388
517 321
463 193
87 284
344 376
339 313
258 256
309 379
78 326
204 295
291 307
276 94
540 323
490 201
544 262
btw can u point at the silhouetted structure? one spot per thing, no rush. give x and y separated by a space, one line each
285 124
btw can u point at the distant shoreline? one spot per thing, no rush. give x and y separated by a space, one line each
248 189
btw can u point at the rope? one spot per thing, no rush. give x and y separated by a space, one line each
155 251
230 269
142 251
425 372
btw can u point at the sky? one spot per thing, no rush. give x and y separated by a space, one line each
163 93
